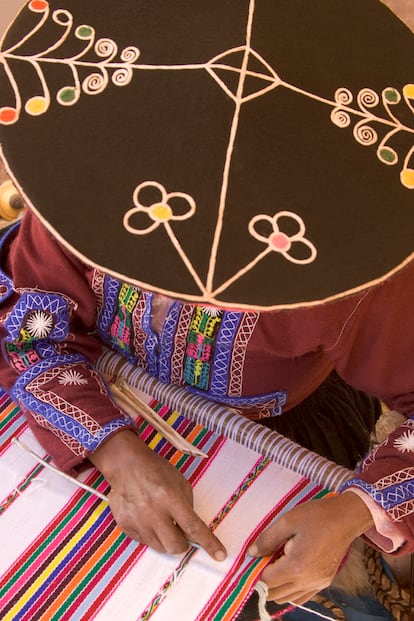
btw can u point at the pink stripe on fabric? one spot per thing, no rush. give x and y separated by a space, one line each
113 584
44 535
220 594
54 584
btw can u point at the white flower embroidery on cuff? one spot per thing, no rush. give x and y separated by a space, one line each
160 211
280 242
39 324
72 378
405 443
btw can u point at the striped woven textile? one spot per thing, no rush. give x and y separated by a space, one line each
64 558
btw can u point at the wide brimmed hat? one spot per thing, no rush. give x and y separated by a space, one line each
242 153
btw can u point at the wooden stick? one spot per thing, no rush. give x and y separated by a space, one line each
130 402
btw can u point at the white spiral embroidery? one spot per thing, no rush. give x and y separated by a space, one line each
341 118
343 96
130 54
367 98
95 83
365 134
106 48
122 77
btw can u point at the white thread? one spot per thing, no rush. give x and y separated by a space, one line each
225 421
32 486
348 319
263 591
314 612
91 490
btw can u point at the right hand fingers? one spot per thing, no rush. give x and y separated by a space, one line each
171 531
197 532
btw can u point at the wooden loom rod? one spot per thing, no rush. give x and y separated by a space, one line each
228 422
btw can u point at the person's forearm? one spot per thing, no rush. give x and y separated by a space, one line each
118 453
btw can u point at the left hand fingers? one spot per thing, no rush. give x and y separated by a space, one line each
288 594
298 568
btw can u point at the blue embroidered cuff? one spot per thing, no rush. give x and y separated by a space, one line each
66 419
390 495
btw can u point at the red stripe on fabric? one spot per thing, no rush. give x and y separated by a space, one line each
47 531
205 463
41 563
113 583
8 408
220 595
71 612
45 597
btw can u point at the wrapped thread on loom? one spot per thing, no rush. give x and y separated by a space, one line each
327 105
227 422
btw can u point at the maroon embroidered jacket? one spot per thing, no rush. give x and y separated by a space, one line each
57 315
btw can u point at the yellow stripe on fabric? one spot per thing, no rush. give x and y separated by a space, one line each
173 417
159 437
28 594
156 439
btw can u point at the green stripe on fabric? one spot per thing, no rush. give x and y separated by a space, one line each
94 570
321 494
233 596
180 463
5 421
44 545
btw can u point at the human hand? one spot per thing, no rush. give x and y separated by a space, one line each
150 500
316 536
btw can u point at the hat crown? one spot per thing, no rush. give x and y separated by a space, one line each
250 153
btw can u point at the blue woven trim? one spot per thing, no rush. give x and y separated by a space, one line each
106 316
280 396
151 341
223 351
6 286
389 497
167 342
70 426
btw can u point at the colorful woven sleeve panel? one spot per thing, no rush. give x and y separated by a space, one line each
63 557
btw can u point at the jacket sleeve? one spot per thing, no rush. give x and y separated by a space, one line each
47 319
375 353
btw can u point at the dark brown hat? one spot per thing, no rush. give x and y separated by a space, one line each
242 153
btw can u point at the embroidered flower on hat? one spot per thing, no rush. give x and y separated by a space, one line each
405 443
280 241
165 208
